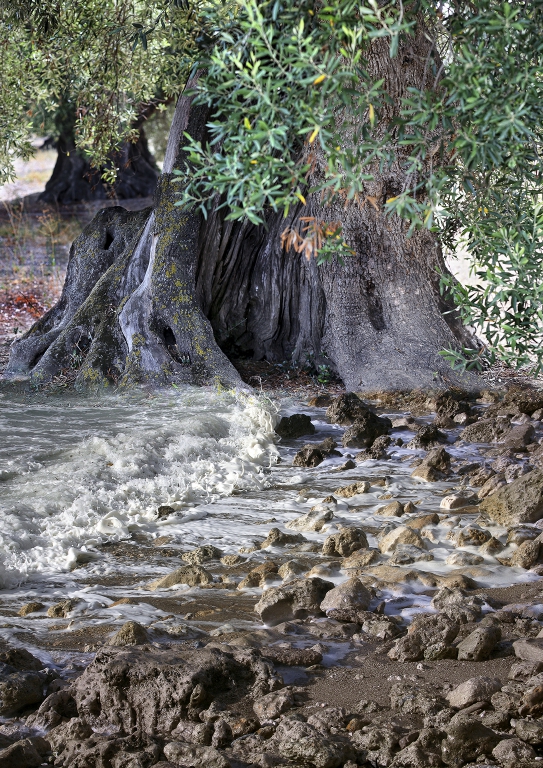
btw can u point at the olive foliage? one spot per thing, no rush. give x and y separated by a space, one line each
292 80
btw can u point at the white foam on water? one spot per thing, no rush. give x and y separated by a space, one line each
80 474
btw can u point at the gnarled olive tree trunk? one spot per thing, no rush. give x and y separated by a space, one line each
154 296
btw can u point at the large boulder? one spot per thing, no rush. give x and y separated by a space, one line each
151 691
297 599
519 502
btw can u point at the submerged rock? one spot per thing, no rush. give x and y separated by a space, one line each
314 520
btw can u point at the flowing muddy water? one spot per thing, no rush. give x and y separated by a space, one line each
81 482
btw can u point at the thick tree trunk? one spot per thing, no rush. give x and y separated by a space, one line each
74 180
128 313
151 296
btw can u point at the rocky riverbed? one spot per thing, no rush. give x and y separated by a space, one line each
370 596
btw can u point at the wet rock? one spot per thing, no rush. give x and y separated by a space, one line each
328 447
405 554
130 633
394 509
377 450
151 691
471 535
348 491
479 644
22 754
434 467
296 600
273 704
464 559
420 522
308 456
527 555
519 436
257 576
359 561
400 535
428 435
472 690
519 502
346 409
492 485
297 425
31 607
164 511
277 538
194 756
512 753
466 740
520 533
345 601
320 401
63 609
529 649
292 568
202 555
344 543
365 430
193 575
314 520
456 501
491 547
232 559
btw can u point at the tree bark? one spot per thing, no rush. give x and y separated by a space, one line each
153 297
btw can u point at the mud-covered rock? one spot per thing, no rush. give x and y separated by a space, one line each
344 543
472 690
193 575
297 425
152 690
518 502
297 599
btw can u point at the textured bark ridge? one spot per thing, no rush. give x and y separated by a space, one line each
153 297
128 313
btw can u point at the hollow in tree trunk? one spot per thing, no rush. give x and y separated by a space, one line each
162 296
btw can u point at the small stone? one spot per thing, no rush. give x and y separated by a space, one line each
345 601
308 456
471 535
164 511
314 520
62 609
460 559
529 649
491 547
400 535
202 555
418 523
31 607
478 645
130 633
394 509
297 425
273 704
434 467
346 409
232 559
348 491
455 501
359 560
344 543
193 575
405 554
472 690
530 731
277 538
291 569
